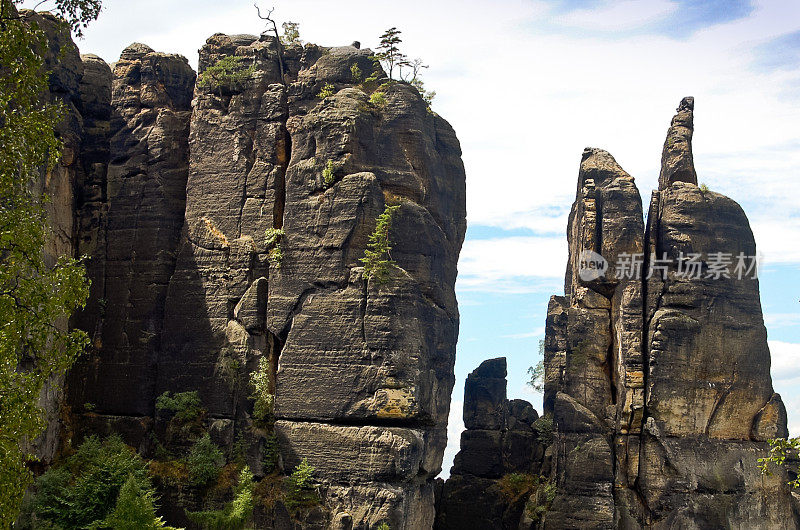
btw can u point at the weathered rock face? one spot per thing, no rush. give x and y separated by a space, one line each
180 183
501 444
659 383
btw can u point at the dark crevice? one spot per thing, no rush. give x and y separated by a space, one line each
403 423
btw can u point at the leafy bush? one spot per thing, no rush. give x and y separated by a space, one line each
378 99
515 485
291 33
780 450
85 487
263 399
185 405
300 490
544 429
235 514
205 461
134 510
355 71
328 174
703 187
275 256
384 526
228 71
273 236
271 454
377 258
541 500
327 91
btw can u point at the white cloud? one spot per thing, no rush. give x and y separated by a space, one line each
538 332
785 360
618 16
511 264
781 320
455 425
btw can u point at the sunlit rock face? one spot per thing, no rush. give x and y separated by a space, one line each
659 380
185 178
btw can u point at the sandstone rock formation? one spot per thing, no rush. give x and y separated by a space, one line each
501 444
659 383
225 222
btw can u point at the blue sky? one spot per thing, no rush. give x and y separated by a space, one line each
527 85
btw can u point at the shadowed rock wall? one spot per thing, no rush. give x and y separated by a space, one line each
181 183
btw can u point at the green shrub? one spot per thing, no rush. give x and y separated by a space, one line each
263 399
377 258
327 91
703 187
300 490
134 510
275 256
235 514
355 71
378 99
85 487
271 454
205 461
328 174
384 526
515 485
544 429
541 500
227 72
185 405
273 236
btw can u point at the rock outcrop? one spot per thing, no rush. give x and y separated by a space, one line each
657 372
498 471
225 220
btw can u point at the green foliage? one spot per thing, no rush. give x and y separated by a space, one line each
263 399
328 174
275 256
536 372
378 99
389 53
384 526
271 453
544 429
186 405
703 187
235 514
515 485
327 91
541 500
228 72
300 489
273 236
84 489
355 71
377 258
205 461
427 95
780 450
36 295
291 33
134 510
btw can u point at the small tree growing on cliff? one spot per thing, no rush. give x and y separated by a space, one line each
377 258
780 451
536 372
388 52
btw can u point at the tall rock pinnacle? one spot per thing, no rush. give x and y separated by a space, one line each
677 163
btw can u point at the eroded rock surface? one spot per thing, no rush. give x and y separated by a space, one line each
501 448
226 220
659 382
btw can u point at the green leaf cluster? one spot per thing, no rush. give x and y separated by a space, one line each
37 294
84 489
205 460
229 72
291 33
780 450
377 258
134 510
263 399
544 427
300 489
185 405
329 174
235 514
328 90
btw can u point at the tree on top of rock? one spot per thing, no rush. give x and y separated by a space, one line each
388 52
